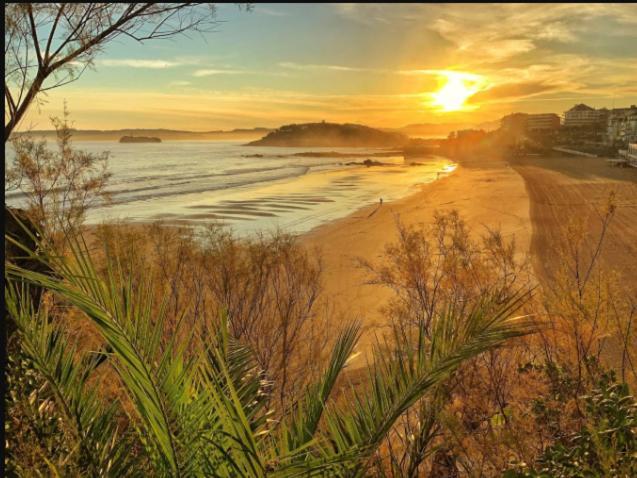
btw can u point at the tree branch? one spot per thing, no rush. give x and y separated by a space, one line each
52 32
34 34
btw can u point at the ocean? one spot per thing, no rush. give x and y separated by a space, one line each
250 189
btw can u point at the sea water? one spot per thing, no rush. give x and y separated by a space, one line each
247 188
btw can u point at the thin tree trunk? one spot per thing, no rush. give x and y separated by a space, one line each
22 109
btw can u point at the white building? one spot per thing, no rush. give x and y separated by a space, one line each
583 116
622 125
543 122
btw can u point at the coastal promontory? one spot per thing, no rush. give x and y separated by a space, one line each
330 135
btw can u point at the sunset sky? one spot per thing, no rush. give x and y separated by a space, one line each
382 65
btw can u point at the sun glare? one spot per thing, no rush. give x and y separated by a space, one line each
458 88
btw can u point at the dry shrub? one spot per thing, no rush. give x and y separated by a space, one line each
508 405
590 309
57 186
429 270
267 286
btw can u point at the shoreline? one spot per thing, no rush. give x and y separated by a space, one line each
296 204
369 209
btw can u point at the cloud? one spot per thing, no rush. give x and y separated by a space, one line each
304 66
212 72
345 8
530 57
234 71
270 12
557 31
513 90
498 32
464 75
271 106
135 63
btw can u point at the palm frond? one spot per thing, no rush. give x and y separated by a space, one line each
305 419
398 380
124 320
100 448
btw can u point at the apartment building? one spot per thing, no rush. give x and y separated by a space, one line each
622 126
543 122
581 116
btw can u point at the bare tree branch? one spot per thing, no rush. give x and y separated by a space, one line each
76 33
34 34
47 49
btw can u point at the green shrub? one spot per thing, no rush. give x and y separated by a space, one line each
604 446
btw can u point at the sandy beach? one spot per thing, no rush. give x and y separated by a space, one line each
527 199
563 188
485 193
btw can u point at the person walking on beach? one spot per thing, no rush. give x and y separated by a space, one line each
375 210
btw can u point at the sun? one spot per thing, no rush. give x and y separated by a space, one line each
458 88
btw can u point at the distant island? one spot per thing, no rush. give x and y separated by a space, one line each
330 134
139 139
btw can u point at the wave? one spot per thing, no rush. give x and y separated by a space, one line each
161 192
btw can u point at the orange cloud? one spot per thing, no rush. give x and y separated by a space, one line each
512 91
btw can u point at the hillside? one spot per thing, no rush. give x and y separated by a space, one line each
330 134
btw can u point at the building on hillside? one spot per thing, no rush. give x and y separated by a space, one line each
622 126
543 122
470 135
515 122
602 116
627 157
581 116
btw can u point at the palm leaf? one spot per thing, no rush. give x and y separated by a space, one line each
97 441
397 381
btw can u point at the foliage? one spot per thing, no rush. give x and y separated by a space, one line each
606 443
589 307
193 405
57 186
268 285
430 269
32 427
